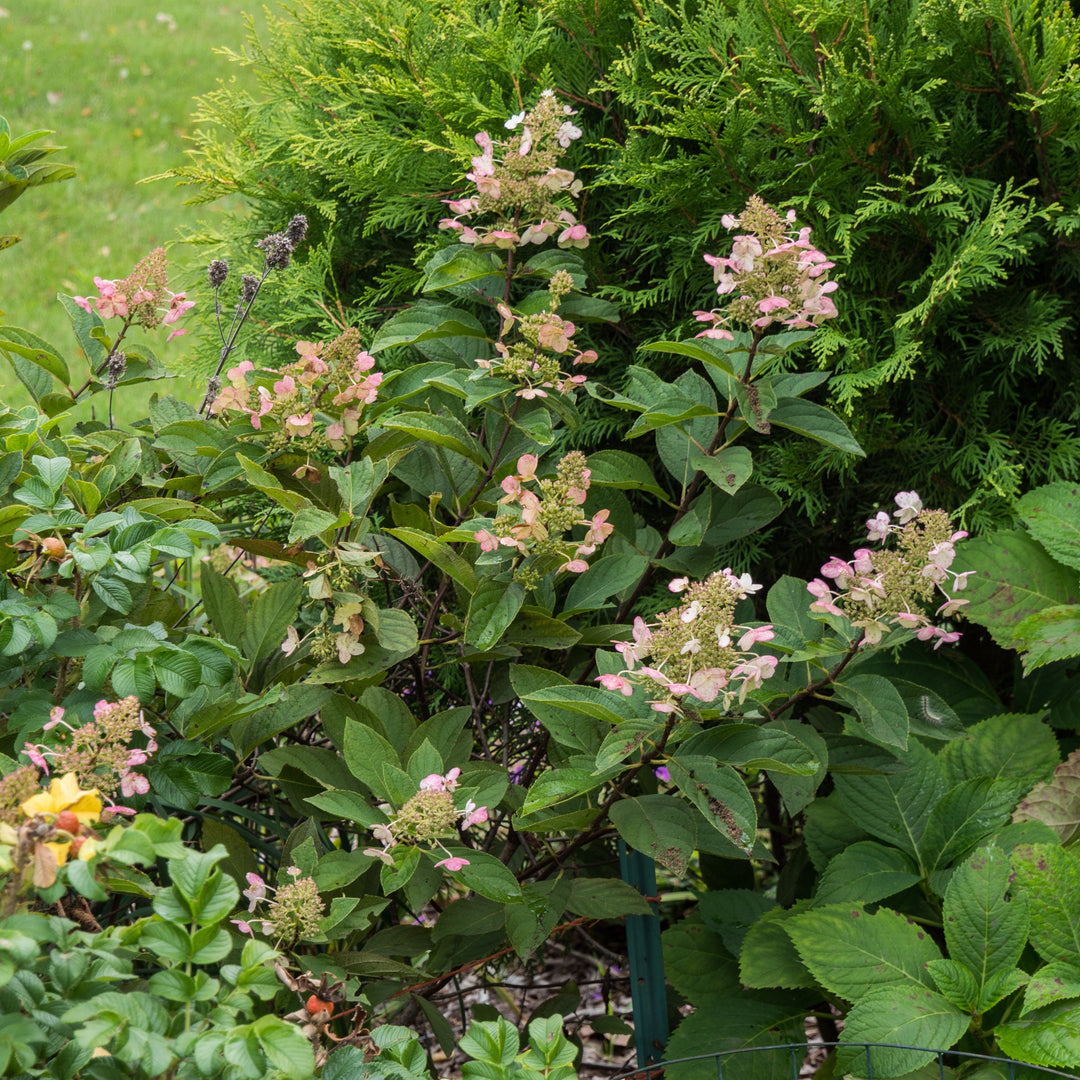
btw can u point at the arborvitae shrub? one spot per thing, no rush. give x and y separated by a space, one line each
932 144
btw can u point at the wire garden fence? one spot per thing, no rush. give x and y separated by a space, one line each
865 1061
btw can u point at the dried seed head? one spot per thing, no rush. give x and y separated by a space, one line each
217 272
114 369
277 248
296 230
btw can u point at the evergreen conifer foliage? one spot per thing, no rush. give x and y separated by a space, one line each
932 142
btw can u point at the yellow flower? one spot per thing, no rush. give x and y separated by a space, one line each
60 851
65 794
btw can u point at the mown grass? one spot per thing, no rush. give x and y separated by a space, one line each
116 84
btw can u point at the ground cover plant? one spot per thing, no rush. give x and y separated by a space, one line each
346 678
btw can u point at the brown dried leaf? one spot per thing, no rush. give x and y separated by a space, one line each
1056 802
45 866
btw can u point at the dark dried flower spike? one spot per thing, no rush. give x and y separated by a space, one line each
217 272
249 286
297 230
115 368
278 250
213 388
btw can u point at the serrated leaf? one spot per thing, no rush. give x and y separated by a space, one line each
1009 745
728 469
557 786
768 957
1051 878
964 816
177 672
866 872
1014 578
113 593
286 1047
712 355
733 1023
1048 635
1000 985
731 913
565 727
895 807
852 953
696 962
676 444
425 321
366 752
907 1017
487 875
956 983
134 678
23 343
626 741
458 266
879 707
1052 514
310 521
605 578
1055 982
788 607
222 603
735 516
532 627
984 931
1049 1036
602 705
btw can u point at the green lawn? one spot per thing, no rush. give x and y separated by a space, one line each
115 82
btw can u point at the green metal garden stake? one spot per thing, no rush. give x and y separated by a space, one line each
647 987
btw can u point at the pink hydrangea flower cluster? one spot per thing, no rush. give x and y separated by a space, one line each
519 179
294 912
142 297
772 275
545 515
696 650
426 817
99 753
538 357
335 381
879 590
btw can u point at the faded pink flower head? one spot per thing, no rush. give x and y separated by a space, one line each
616 682
574 566
133 783
910 504
255 891
878 527
453 863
